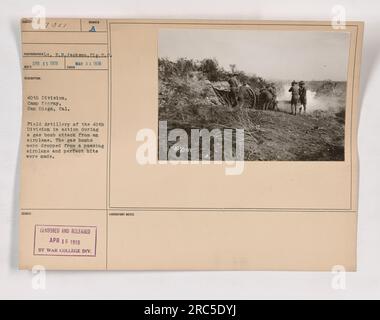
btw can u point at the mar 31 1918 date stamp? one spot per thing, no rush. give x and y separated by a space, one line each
65 240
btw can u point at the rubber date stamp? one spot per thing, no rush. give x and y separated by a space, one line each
62 240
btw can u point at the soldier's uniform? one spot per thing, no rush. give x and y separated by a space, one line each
303 95
247 96
234 86
272 90
294 89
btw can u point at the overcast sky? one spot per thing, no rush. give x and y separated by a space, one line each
283 55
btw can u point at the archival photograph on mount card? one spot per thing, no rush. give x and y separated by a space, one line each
189 145
283 91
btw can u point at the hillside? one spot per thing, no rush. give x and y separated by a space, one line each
188 99
273 135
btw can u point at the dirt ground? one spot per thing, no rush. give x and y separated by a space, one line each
275 135
318 136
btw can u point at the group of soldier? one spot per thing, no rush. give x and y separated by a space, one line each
298 91
268 91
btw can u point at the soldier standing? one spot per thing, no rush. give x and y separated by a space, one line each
294 89
234 86
246 96
303 98
272 89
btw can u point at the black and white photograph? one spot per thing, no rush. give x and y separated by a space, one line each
286 89
123 176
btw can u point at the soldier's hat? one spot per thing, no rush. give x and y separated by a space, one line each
294 82
302 83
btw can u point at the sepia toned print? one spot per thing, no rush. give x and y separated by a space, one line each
99 94
285 89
